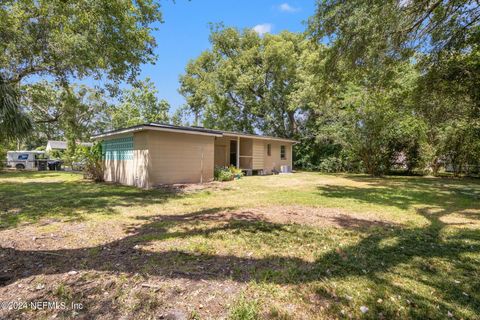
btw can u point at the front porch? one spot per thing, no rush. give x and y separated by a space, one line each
244 153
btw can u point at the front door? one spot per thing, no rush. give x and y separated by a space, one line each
233 153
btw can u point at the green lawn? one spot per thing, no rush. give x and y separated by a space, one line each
300 246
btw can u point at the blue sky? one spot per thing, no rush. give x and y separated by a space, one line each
184 34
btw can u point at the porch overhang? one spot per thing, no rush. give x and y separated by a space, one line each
254 136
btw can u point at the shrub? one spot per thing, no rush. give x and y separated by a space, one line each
4 147
56 154
92 160
227 173
331 165
223 174
3 156
237 173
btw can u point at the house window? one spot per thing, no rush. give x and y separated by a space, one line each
269 149
283 153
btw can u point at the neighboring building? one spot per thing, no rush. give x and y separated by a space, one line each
153 154
62 145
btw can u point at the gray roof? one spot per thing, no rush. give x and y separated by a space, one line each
161 126
86 144
57 144
192 129
62 145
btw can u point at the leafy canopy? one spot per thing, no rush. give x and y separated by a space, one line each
75 112
138 105
67 40
247 82
76 38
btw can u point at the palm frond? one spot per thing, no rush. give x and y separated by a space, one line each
13 122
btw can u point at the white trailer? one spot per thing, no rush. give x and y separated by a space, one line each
23 159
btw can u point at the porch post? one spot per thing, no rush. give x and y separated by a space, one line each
238 152
291 157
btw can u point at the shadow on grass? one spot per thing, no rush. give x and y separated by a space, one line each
407 192
30 201
369 259
387 257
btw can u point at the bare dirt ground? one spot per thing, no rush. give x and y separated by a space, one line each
100 267
319 217
106 279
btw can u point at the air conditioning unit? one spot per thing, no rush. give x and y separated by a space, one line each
285 169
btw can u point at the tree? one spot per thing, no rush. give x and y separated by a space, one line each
369 40
76 38
14 122
71 39
371 127
139 105
246 82
180 116
448 99
364 33
73 113
280 85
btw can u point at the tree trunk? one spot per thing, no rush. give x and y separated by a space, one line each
292 124
435 166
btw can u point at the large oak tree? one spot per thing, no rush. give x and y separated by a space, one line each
66 39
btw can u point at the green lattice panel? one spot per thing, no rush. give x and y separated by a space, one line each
118 149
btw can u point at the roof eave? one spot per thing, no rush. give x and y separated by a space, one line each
231 134
153 128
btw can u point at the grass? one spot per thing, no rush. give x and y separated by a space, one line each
244 310
301 246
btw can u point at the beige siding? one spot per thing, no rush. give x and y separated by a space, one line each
253 153
273 161
222 145
220 156
180 158
119 171
258 154
130 172
141 158
246 147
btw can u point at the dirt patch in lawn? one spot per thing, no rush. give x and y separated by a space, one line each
195 187
104 267
103 295
53 234
318 217
100 267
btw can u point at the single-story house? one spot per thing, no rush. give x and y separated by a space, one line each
154 154
62 145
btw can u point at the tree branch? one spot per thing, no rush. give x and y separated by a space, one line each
26 72
422 19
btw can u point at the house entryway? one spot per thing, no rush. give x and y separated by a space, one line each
233 153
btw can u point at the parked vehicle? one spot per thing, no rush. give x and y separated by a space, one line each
24 159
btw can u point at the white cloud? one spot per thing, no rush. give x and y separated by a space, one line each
285 7
263 28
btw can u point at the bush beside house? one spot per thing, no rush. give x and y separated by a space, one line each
227 173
